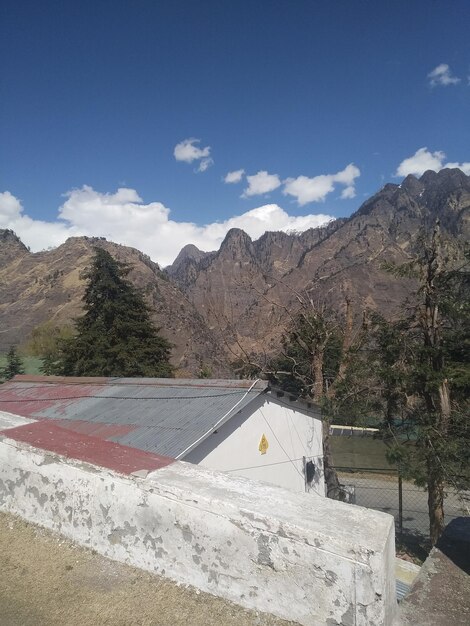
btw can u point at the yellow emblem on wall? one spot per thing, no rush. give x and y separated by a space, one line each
263 444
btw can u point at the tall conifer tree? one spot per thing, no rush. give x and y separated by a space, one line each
115 336
14 365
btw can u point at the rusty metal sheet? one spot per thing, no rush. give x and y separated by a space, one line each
105 431
162 416
69 380
48 436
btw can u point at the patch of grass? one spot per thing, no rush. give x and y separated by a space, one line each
358 452
31 363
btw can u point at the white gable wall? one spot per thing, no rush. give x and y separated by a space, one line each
291 434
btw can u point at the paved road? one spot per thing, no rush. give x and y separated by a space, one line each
377 492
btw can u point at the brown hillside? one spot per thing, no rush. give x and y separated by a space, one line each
206 303
48 286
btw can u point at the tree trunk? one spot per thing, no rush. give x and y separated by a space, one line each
347 340
317 367
435 470
435 499
333 488
444 402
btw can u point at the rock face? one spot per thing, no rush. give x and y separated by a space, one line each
48 285
209 304
11 247
248 290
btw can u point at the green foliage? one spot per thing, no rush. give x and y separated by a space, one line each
429 351
310 356
204 371
45 337
115 336
45 342
355 401
14 365
415 372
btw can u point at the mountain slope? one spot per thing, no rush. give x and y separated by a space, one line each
247 289
210 303
48 286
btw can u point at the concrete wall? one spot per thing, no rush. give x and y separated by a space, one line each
291 434
440 594
311 560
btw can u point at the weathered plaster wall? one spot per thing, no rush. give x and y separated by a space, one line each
308 559
291 434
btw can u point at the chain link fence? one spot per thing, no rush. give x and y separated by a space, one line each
383 489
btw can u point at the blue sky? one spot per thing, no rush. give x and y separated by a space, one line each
317 102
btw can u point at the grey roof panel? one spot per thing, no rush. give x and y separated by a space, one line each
164 416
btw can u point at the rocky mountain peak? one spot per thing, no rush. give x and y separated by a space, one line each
8 236
236 242
428 177
11 246
412 185
189 251
273 237
448 179
185 267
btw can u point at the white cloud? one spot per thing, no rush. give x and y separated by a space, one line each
305 189
204 164
423 160
348 192
260 183
10 207
234 177
442 76
123 217
34 233
188 151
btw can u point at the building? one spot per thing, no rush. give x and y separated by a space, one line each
242 427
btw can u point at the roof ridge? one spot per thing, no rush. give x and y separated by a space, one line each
142 382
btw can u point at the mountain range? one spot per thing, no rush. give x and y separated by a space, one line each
212 304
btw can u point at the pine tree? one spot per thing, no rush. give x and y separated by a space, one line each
415 371
115 336
428 374
13 366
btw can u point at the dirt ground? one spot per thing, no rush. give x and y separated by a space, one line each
45 580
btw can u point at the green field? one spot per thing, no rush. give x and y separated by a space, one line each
356 452
31 364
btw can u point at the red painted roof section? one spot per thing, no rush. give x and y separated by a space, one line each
78 380
123 459
94 429
29 401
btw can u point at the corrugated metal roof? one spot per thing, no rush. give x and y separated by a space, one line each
48 435
401 589
163 416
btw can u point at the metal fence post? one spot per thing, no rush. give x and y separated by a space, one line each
400 504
